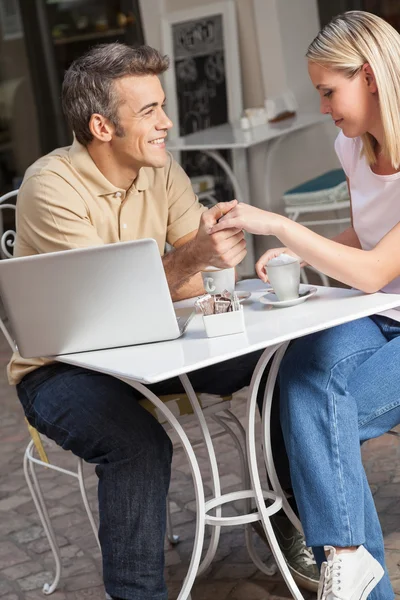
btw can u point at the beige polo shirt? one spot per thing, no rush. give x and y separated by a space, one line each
65 202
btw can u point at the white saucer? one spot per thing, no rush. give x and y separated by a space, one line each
305 292
242 295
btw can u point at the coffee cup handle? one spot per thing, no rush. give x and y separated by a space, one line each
208 285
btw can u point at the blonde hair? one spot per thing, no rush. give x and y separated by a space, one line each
348 42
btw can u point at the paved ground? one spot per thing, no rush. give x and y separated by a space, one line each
26 562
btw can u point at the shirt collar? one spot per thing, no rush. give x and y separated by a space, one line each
141 182
84 164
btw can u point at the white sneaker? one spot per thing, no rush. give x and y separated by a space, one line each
348 575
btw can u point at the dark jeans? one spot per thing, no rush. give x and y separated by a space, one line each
98 418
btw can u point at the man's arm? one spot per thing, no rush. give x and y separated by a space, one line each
181 288
199 249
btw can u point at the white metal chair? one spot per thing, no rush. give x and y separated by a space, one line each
7 243
7 237
325 194
216 407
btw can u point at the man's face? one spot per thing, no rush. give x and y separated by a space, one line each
143 121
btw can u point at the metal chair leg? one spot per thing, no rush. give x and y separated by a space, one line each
172 538
184 593
34 487
37 497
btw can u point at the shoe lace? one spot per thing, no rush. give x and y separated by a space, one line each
308 555
329 584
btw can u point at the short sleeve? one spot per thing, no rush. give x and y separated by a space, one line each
52 216
184 208
346 150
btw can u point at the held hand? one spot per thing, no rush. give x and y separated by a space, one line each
252 219
224 249
272 253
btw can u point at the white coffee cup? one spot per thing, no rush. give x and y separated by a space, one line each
284 276
217 280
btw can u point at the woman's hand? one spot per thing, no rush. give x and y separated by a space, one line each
273 253
249 218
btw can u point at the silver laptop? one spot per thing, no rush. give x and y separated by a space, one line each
88 299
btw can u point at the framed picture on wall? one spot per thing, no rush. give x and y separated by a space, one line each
203 84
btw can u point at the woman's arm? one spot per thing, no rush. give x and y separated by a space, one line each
368 271
348 237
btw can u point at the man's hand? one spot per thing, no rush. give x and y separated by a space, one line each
223 249
251 219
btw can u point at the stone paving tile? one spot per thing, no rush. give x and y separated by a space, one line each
22 570
26 562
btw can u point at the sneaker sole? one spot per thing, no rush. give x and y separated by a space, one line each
302 581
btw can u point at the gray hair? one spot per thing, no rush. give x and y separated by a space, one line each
88 83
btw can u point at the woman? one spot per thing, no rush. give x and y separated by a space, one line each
340 387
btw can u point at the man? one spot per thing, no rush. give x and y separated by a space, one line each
115 183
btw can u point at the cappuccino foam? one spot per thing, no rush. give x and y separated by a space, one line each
282 259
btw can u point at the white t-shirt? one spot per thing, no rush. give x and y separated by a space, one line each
375 201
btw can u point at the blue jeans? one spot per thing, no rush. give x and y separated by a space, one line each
339 388
98 418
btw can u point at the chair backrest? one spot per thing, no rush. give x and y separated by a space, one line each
7 239
7 242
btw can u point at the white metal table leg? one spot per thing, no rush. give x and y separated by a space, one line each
248 530
216 486
266 418
184 594
255 477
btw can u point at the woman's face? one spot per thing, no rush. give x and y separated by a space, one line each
352 103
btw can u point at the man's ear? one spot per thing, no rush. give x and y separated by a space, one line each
369 78
101 128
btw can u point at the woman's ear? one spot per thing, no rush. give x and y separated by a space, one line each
369 78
